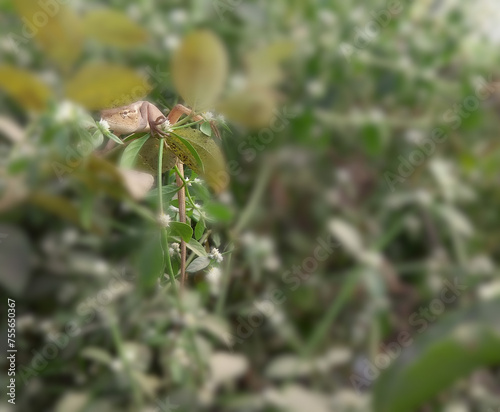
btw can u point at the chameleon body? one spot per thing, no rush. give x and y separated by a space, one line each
141 116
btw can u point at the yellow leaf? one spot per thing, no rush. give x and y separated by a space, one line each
24 87
148 158
263 64
99 85
252 108
55 27
210 154
113 28
199 69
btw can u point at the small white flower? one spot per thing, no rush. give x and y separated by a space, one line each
188 182
214 276
174 248
103 124
197 206
221 118
216 255
207 116
117 365
171 42
65 112
173 208
197 181
166 126
164 220
178 16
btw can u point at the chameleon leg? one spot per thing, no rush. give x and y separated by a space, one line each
178 110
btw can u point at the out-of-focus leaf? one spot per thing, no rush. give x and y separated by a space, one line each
198 264
452 348
149 384
113 28
15 258
59 206
263 64
216 326
13 190
373 137
199 69
295 398
101 85
149 261
98 355
347 235
293 366
196 247
72 401
252 108
218 211
206 128
210 154
24 87
181 229
225 367
137 183
199 229
55 27
130 153
11 130
147 159
168 192
455 219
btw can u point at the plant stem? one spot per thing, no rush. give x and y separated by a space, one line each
181 196
181 176
255 197
160 177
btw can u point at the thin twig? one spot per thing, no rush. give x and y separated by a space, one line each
181 195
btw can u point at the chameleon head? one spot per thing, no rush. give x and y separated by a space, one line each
122 120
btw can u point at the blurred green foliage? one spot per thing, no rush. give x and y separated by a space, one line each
357 246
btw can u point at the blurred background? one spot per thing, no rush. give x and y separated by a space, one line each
358 232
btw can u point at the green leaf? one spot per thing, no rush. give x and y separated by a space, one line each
199 229
451 349
130 153
114 137
192 150
149 261
181 229
209 153
206 129
196 247
218 211
198 264
167 191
